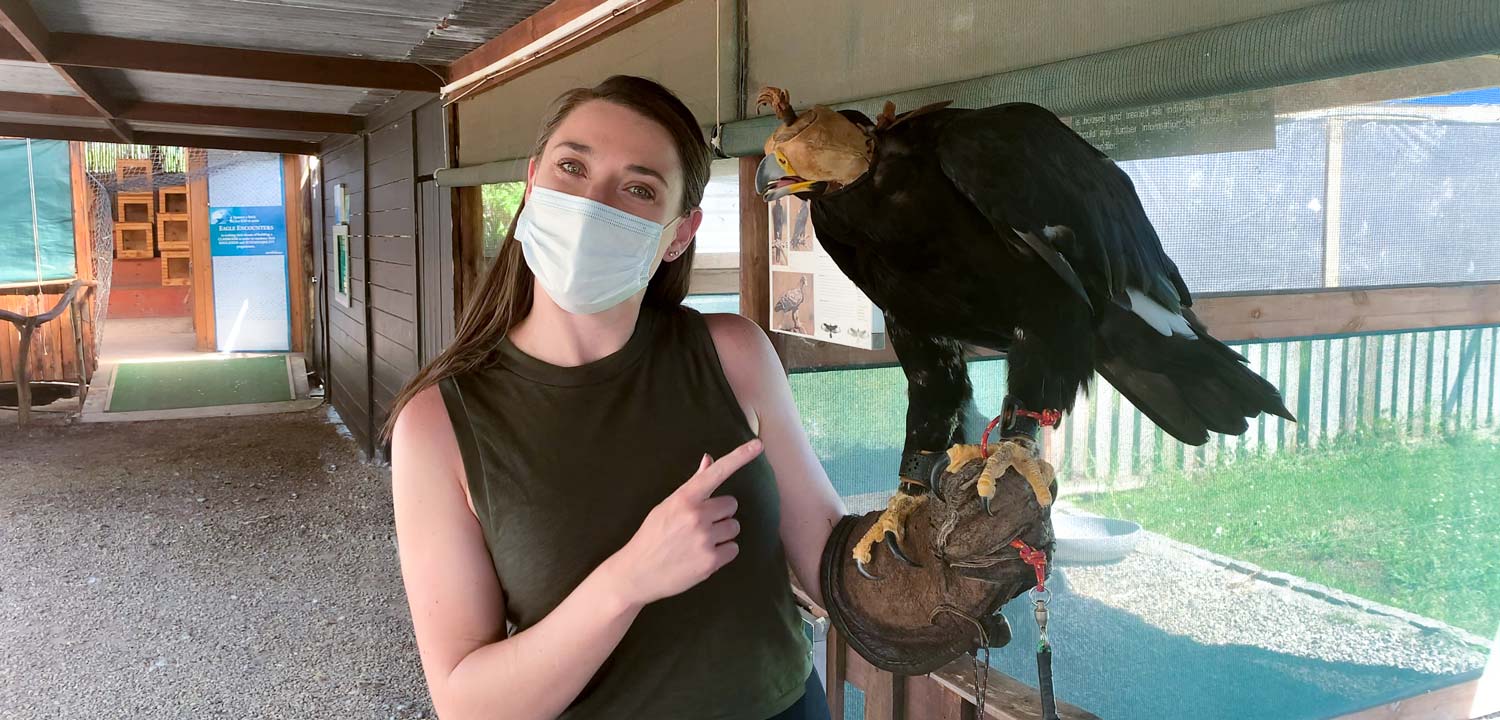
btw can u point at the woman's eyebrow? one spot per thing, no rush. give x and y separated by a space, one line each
643 170
582 149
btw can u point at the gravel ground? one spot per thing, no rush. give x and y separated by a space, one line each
231 567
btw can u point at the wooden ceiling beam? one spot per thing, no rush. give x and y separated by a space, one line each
20 21
12 50
37 104
208 142
94 93
215 142
57 132
249 118
127 54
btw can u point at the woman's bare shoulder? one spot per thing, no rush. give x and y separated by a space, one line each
744 350
424 445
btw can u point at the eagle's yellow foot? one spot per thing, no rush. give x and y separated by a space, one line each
1024 458
890 525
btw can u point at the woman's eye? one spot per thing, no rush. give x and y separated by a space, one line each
641 192
570 167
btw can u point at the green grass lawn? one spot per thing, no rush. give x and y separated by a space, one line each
1415 525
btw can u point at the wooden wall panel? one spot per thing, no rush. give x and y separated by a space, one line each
400 222
401 265
393 196
348 331
395 168
391 139
396 329
432 141
436 272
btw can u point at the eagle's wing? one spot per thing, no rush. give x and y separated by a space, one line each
1042 185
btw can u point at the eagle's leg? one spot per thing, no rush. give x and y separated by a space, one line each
937 391
1018 449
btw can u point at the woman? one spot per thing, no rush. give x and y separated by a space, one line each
621 480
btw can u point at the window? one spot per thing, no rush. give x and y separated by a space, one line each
501 202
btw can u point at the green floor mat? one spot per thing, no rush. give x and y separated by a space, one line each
200 383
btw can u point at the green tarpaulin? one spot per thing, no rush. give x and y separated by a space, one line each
36 211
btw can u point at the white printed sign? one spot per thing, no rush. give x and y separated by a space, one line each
810 296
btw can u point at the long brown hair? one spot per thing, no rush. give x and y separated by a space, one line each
504 296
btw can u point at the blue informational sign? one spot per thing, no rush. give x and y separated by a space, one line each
247 230
248 242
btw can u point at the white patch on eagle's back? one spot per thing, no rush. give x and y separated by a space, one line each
1158 317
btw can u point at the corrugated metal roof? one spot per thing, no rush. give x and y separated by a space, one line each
437 31
474 23
232 92
28 77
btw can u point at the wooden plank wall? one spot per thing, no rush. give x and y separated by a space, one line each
402 266
348 385
392 247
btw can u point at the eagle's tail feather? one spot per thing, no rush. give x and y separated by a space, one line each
1188 386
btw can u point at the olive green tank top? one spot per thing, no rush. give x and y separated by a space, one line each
563 465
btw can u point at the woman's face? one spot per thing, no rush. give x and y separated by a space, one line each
615 156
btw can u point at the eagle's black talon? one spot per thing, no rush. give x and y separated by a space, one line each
984 502
862 571
890 539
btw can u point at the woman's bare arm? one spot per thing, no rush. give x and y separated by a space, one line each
457 605
809 505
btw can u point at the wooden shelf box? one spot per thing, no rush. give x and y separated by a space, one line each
136 207
133 175
172 234
175 268
174 200
133 241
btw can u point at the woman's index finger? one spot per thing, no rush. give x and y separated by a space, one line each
705 482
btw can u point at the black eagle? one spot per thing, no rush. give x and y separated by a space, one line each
1001 228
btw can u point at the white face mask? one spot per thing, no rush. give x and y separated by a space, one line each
587 255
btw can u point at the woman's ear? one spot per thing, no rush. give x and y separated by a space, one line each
685 232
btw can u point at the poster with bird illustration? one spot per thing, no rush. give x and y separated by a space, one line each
810 296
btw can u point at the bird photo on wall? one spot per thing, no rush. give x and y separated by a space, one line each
792 302
1001 228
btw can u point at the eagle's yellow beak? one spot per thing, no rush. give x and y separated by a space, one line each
775 179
